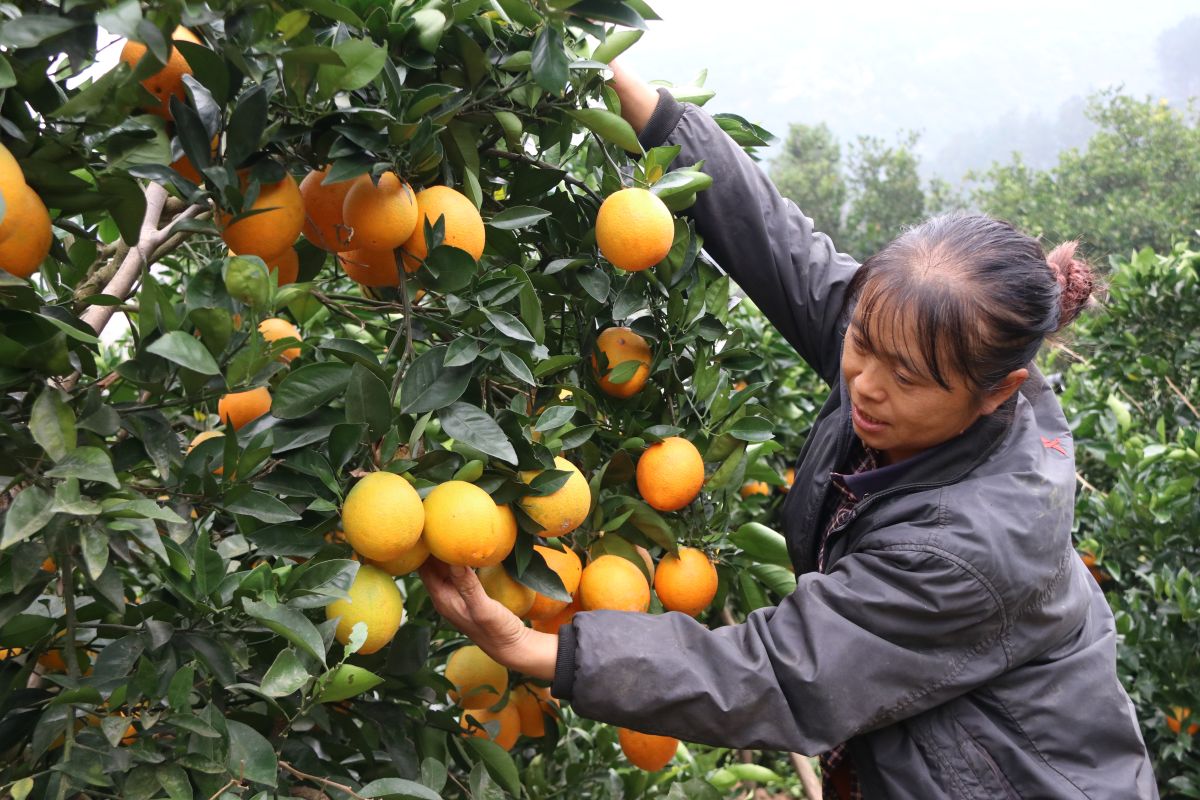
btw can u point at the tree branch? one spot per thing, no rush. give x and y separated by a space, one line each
571 181
808 777
341 787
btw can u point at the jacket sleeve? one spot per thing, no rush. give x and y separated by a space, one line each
885 635
763 241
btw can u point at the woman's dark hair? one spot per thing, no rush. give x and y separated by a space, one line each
980 296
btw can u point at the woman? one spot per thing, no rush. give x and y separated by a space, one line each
944 639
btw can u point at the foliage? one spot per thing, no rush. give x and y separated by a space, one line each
182 590
1130 397
865 202
1135 185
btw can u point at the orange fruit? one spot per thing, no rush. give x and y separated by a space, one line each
479 681
686 582
9 652
513 595
11 174
670 474
49 564
647 751
274 329
615 583
168 81
241 408
619 345
286 264
506 527
381 215
551 624
508 719
568 567
324 225
25 233
755 487
739 385
371 267
463 227
463 526
382 516
408 561
204 436
563 510
184 166
269 233
634 229
533 703
374 600
1176 719
789 478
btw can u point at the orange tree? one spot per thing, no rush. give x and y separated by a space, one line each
212 420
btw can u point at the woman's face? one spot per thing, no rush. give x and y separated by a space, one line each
898 408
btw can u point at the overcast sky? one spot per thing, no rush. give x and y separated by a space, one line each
949 72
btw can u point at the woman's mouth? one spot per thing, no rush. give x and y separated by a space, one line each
865 421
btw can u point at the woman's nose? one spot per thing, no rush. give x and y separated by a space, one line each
869 384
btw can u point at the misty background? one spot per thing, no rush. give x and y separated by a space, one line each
976 83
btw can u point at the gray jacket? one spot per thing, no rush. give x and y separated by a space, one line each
955 641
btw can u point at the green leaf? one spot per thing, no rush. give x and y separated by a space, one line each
508 325
285 675
616 43
554 417
309 388
31 30
259 505
752 429
517 367
346 680
778 579
624 371
498 762
608 126
362 62
186 351
388 787
174 781
762 544
290 624
605 11
251 756
246 125
469 424
452 268
87 464
367 401
52 423
333 10
550 60
429 24
27 515
518 217
429 385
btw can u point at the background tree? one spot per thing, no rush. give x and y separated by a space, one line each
809 170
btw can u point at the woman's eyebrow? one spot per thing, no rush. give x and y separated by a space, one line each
890 356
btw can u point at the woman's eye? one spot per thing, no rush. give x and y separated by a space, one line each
902 379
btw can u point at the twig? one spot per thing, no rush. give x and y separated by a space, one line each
304 776
808 777
1182 396
1083 481
568 179
231 782
102 271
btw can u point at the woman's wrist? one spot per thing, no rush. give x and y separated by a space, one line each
638 99
534 654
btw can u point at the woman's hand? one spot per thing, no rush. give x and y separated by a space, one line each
638 98
458 596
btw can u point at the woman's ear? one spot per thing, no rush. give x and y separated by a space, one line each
995 398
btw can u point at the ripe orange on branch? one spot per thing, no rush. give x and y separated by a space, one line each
566 564
371 267
324 224
463 526
564 509
463 227
670 473
646 750
479 681
533 703
374 600
619 345
204 436
750 488
612 582
634 229
498 585
382 216
273 329
268 233
1177 717
25 233
408 561
382 516
507 718
686 582
241 408
168 81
